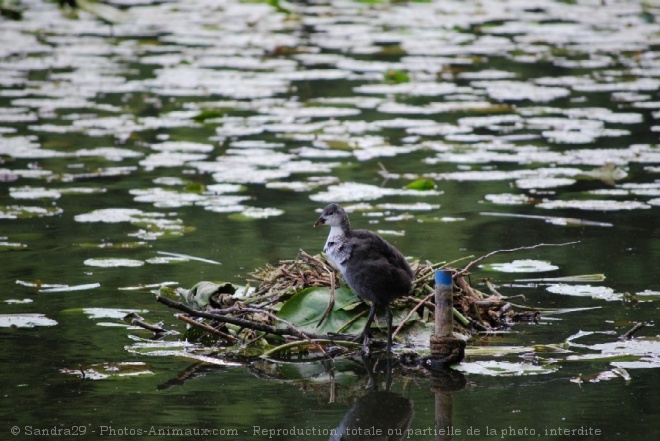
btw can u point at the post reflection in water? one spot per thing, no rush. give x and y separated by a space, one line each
444 383
384 415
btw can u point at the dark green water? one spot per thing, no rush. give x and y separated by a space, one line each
225 127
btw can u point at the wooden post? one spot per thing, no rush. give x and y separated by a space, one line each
444 303
445 348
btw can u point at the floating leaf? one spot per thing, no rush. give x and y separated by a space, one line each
27 320
109 262
306 308
504 368
394 76
521 266
422 184
596 292
199 296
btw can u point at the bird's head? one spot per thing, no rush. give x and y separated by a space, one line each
333 216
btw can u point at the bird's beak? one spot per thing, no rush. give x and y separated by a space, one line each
319 221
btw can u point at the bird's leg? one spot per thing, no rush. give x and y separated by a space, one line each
388 317
365 331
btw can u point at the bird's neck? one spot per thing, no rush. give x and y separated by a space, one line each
338 231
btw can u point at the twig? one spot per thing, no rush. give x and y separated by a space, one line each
288 330
531 247
628 335
412 311
207 328
136 320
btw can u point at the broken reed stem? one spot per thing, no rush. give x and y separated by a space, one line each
412 311
207 328
628 335
511 250
149 327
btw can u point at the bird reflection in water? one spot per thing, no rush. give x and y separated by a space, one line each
378 415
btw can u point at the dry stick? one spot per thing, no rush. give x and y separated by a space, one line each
628 335
289 330
531 247
299 333
149 327
412 311
207 328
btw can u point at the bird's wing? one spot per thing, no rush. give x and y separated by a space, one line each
366 245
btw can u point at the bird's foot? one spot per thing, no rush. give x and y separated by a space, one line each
366 351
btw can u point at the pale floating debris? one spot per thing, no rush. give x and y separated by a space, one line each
581 279
503 368
109 153
148 286
351 192
417 206
519 91
596 292
12 246
382 151
261 213
507 120
508 199
582 136
67 288
182 146
224 188
109 262
522 266
162 198
18 301
292 186
170 159
23 212
104 371
111 313
438 129
487 74
165 260
256 144
169 180
110 215
33 193
81 190
594 205
412 89
189 257
643 363
642 84
313 112
532 183
25 320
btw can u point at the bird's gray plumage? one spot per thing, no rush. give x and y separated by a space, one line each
375 270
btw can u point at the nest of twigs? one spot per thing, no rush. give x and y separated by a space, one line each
474 310
249 319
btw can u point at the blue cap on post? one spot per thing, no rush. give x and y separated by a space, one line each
442 277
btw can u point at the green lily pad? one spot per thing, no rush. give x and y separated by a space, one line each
306 308
422 184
